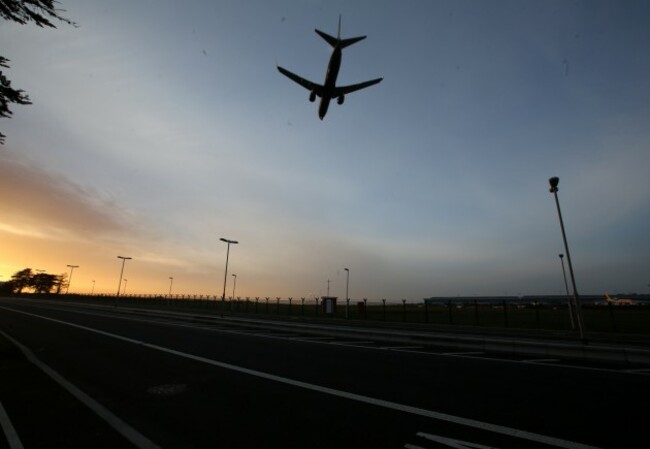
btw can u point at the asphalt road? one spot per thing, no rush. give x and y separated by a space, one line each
74 376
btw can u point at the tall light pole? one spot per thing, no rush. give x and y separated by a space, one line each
92 292
566 289
119 285
233 288
347 289
225 276
72 267
171 282
581 325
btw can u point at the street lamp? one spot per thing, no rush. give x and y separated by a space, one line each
72 267
566 289
225 276
124 259
171 282
347 297
581 326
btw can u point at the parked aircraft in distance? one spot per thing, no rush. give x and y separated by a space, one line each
328 90
619 301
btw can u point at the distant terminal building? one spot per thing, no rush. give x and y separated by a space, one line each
589 300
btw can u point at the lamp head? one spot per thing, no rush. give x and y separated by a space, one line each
553 182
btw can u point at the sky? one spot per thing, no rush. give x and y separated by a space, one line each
159 127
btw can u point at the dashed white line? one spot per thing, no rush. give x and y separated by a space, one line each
495 428
9 430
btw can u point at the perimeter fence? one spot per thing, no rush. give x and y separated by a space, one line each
544 313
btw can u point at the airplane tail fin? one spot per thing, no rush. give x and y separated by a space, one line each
334 41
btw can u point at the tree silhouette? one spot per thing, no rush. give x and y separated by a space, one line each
45 282
23 11
22 279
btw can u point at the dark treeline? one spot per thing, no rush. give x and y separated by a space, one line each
37 282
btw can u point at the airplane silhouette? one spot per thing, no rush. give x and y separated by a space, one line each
328 90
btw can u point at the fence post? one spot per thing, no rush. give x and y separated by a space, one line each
451 321
426 311
290 298
505 313
302 306
384 309
365 308
257 300
267 303
476 311
277 305
403 310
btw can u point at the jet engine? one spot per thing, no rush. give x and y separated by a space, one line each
312 96
340 99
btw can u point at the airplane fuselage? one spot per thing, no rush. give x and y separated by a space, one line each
330 81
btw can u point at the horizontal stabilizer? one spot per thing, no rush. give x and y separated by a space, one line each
330 39
342 43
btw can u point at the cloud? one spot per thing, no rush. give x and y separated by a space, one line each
44 204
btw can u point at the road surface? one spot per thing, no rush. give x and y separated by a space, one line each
78 376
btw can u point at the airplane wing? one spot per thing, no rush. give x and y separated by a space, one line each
317 88
354 87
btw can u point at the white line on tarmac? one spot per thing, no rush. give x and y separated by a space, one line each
509 431
464 353
8 428
540 360
470 355
400 348
116 423
353 342
312 339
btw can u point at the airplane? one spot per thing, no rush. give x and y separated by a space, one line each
619 301
328 90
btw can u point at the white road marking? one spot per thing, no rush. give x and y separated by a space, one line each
469 355
495 428
116 423
352 343
312 339
540 360
456 444
464 353
638 370
399 348
9 430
